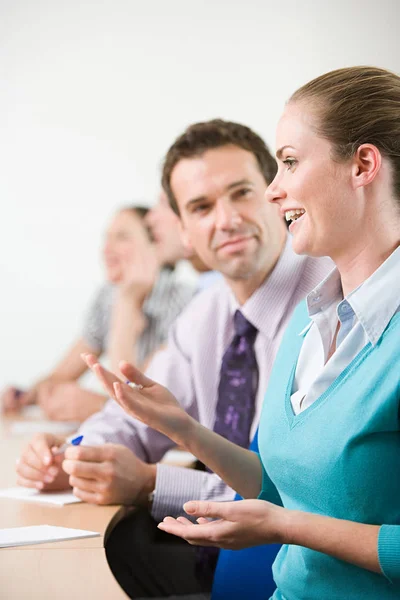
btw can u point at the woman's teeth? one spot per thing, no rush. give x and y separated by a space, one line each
293 215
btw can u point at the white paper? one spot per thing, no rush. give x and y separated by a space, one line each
40 534
31 495
21 427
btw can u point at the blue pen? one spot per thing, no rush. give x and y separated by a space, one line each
75 442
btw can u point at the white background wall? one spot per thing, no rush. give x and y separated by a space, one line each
92 94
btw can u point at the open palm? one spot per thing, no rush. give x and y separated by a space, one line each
153 404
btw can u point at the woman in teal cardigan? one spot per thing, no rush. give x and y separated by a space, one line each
328 474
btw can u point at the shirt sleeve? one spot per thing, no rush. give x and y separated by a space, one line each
96 322
177 485
389 551
170 367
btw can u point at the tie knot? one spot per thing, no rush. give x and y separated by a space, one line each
242 326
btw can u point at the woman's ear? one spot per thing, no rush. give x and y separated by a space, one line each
367 163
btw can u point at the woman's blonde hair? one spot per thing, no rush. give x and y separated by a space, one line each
357 105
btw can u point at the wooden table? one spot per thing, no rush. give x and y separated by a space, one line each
70 570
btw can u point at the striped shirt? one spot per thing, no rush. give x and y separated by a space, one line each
190 368
161 307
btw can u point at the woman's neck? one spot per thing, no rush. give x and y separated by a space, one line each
358 263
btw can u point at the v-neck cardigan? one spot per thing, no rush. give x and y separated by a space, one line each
340 457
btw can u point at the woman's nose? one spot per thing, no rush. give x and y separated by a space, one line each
274 192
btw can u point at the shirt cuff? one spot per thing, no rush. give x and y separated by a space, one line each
389 551
174 487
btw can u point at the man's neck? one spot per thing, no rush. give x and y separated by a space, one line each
243 289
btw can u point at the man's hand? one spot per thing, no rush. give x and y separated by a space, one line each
237 524
109 474
37 466
68 401
151 403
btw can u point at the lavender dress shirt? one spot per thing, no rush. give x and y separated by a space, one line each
190 368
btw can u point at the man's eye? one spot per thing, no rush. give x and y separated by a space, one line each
290 163
199 208
242 193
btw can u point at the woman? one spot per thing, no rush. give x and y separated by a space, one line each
130 316
327 476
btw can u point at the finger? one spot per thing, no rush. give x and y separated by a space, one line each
131 401
184 521
26 471
89 497
92 454
185 531
86 470
208 509
134 374
84 485
199 535
106 378
89 359
29 483
202 520
41 449
31 457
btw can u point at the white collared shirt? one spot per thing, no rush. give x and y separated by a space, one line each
362 317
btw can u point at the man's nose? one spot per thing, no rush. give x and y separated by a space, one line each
227 216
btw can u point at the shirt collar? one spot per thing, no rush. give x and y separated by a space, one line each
364 300
267 306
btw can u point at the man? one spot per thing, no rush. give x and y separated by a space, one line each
215 176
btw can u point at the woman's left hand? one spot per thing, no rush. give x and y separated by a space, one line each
237 524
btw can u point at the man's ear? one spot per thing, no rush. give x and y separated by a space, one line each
187 244
367 164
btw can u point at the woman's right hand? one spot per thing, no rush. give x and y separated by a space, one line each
152 404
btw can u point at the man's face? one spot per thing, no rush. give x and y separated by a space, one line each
225 216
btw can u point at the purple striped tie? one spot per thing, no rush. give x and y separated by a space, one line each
235 408
238 385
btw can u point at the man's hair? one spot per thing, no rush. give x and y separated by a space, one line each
200 137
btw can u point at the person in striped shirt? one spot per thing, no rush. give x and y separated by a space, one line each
130 315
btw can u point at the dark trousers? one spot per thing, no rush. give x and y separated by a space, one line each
149 563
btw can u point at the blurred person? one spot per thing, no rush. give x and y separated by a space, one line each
130 315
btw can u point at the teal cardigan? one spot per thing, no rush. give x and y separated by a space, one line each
340 458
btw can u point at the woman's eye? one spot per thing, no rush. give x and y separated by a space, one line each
290 163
